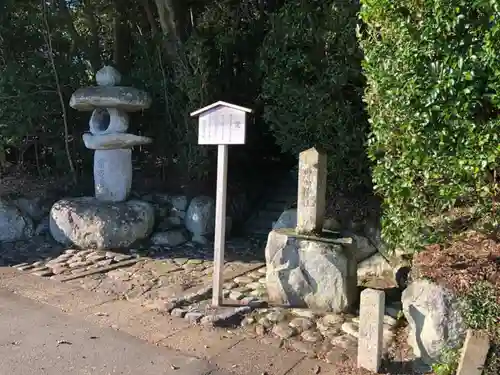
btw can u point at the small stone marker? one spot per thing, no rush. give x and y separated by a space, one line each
221 124
312 191
474 352
371 327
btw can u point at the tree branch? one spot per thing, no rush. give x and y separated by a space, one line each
48 42
78 40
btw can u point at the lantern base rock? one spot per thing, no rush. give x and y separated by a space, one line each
87 222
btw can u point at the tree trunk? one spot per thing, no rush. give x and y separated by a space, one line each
174 22
122 38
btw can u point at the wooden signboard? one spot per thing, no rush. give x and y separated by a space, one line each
221 124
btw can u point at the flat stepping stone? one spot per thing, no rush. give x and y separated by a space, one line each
351 328
236 295
178 312
243 280
331 320
276 316
343 342
301 324
311 336
258 292
195 261
303 347
304 313
104 262
121 257
255 275
266 323
39 269
59 268
25 268
80 264
243 289
254 285
283 331
331 333
45 273
96 258
193 316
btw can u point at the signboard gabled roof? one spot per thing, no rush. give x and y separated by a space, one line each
218 104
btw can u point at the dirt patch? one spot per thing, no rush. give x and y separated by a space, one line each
16 184
462 263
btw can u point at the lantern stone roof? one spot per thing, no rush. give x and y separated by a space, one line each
128 99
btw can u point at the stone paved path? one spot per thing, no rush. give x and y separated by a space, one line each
177 282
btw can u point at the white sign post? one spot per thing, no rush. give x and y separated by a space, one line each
220 124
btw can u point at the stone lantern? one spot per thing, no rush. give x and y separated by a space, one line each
109 122
107 220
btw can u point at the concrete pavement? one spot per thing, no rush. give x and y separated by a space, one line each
38 339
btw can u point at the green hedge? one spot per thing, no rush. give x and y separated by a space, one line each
312 85
433 95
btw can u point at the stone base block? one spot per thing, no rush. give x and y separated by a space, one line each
306 271
87 222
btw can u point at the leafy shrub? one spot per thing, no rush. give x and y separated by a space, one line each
312 85
481 311
433 95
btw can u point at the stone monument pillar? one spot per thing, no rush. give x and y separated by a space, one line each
312 191
107 220
307 266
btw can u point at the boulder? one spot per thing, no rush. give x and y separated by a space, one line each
179 202
288 219
207 238
89 223
35 208
169 238
14 225
200 216
433 314
238 206
375 265
201 240
169 223
43 226
318 273
361 247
